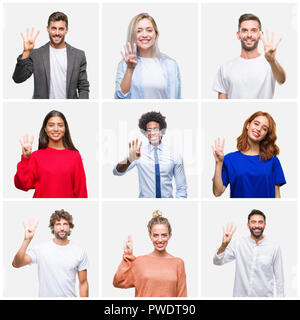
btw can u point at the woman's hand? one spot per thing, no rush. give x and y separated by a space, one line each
128 248
218 150
26 145
130 56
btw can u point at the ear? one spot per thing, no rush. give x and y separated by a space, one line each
248 124
238 35
170 235
248 226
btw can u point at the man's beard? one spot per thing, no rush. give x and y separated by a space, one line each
255 235
57 236
54 43
249 48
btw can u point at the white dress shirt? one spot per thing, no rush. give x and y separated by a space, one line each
170 164
257 266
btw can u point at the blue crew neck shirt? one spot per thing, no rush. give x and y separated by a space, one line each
250 177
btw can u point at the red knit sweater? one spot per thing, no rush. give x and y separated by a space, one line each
52 173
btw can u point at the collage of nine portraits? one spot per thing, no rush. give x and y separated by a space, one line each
149 150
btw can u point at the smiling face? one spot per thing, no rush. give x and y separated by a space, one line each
153 132
145 35
256 225
61 229
258 128
249 34
57 31
160 236
55 129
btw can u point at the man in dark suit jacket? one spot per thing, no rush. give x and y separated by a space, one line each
59 69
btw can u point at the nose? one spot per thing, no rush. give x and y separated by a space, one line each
144 33
160 238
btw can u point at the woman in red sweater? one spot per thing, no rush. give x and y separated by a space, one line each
55 170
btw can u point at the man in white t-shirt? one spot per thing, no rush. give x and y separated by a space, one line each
58 260
59 69
251 75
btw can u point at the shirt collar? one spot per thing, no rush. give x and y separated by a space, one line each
259 242
151 147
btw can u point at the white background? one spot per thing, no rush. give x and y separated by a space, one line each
178 38
220 44
83 34
108 28
120 125
226 120
23 282
131 218
82 117
281 228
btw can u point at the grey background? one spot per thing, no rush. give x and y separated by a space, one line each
83 34
219 23
27 117
23 282
120 125
178 38
226 119
131 218
281 228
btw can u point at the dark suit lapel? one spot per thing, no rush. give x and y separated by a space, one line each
46 61
70 65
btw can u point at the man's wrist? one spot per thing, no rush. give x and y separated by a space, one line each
25 54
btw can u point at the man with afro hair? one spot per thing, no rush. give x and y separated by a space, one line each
157 164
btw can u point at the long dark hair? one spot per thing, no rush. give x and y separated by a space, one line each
43 138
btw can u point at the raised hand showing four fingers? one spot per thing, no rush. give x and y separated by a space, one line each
134 150
130 55
269 46
228 233
128 247
26 145
29 41
218 150
30 227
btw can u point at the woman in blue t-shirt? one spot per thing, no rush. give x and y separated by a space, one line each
253 171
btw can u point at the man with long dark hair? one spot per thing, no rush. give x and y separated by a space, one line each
59 69
58 260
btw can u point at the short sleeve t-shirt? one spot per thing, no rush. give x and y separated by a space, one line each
57 267
243 78
250 177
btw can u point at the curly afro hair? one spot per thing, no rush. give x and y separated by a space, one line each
152 116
